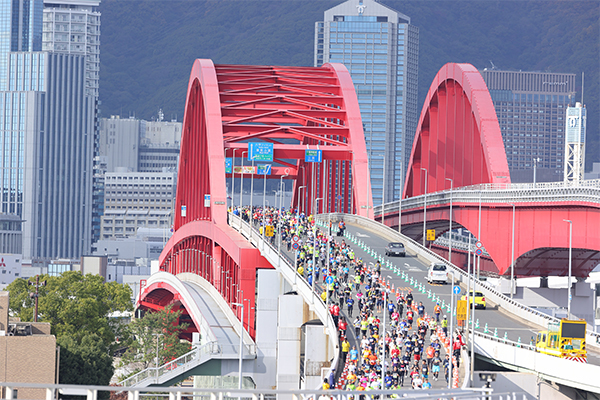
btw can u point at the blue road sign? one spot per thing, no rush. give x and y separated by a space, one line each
339 197
329 280
456 289
260 151
228 165
313 155
478 252
263 169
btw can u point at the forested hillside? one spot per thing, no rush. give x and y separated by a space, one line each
148 46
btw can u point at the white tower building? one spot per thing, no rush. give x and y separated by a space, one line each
575 143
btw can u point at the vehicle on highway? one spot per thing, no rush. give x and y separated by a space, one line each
438 272
479 299
395 249
564 339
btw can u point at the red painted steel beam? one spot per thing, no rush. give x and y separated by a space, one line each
458 135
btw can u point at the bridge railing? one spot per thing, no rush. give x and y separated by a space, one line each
285 266
511 306
500 193
173 393
210 348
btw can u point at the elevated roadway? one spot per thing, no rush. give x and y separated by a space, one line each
541 235
508 322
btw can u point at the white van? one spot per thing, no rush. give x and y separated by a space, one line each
438 272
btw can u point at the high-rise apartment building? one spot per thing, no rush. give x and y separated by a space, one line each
73 27
380 48
47 136
531 109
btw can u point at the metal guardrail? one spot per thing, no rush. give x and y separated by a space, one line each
172 393
501 193
154 373
320 308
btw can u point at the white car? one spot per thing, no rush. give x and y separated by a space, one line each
438 272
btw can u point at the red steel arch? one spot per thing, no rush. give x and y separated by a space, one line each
458 136
295 108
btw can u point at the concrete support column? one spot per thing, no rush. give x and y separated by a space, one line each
288 342
316 355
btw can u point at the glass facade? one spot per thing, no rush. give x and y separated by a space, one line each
531 109
373 42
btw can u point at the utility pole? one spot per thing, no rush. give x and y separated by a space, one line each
35 295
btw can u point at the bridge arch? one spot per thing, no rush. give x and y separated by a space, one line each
458 136
292 108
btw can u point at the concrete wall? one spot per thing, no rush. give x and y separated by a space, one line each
269 288
288 341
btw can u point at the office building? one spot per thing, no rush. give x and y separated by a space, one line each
130 144
47 128
73 27
137 199
380 48
531 109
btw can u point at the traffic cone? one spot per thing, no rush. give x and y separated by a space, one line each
477 323
485 330
505 335
495 332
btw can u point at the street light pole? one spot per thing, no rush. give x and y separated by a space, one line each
280 218
157 335
314 248
450 364
512 263
241 340
300 198
242 183
570 261
383 193
232 177
425 208
450 230
535 162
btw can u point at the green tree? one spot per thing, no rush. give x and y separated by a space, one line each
74 304
78 307
155 329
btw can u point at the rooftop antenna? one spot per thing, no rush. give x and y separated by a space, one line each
493 66
582 85
161 115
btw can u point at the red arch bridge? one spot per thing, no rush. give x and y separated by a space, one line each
308 121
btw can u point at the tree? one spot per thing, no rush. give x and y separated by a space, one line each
156 328
78 307
74 304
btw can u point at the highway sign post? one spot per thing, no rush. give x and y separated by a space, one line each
456 289
479 252
263 169
313 155
461 310
228 165
260 151
431 234
329 280
269 230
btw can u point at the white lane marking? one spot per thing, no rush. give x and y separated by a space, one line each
411 268
361 234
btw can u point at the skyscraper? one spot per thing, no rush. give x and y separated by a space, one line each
531 110
380 48
47 129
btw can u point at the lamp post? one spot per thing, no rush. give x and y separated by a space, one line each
300 198
535 163
512 263
232 177
450 230
401 193
279 216
241 340
157 335
570 261
425 208
450 365
242 183
304 185
383 192
314 249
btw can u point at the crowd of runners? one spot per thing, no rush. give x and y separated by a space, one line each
413 343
